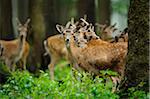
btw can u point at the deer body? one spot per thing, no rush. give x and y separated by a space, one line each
96 54
99 55
25 54
56 48
13 50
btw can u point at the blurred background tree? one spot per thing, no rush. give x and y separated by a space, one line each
6 28
45 14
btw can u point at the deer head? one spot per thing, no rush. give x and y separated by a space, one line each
106 31
66 31
22 28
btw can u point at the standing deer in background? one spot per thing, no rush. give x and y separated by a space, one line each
26 49
106 31
122 37
23 60
13 50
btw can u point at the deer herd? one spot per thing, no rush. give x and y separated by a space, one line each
77 43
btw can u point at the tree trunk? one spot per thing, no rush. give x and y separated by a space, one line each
6 29
104 11
86 7
23 9
137 66
51 16
38 32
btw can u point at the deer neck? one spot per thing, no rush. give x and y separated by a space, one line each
21 44
72 50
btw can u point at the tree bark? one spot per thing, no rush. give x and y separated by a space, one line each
6 29
104 11
38 32
50 16
86 7
23 9
137 67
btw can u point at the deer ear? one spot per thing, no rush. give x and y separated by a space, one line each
27 22
59 28
113 25
85 17
92 28
18 22
115 29
68 24
72 20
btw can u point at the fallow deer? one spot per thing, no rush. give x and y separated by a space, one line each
55 47
122 37
13 50
106 31
23 60
97 55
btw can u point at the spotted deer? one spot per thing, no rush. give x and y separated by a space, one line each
122 37
106 31
56 48
14 50
97 55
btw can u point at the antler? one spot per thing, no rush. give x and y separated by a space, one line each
101 26
18 22
107 29
68 24
112 27
84 21
27 22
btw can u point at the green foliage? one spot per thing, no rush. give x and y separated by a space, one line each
108 72
135 93
68 84
3 68
120 6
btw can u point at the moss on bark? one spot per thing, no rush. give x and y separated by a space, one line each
137 66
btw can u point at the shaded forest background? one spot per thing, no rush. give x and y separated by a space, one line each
45 14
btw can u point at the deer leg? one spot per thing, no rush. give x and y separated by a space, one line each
51 69
116 81
13 66
24 63
8 64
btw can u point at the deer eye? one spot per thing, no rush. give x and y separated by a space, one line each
90 38
105 32
85 37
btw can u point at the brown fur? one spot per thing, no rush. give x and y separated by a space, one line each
98 55
106 31
13 49
25 55
56 48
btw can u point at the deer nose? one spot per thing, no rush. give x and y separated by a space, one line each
67 40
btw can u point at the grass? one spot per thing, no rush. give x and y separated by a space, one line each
68 84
